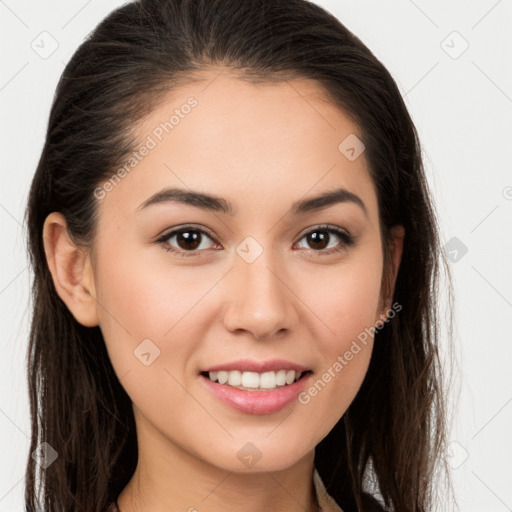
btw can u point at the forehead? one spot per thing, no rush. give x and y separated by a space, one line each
265 142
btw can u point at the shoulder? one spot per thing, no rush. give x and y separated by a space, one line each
324 500
328 504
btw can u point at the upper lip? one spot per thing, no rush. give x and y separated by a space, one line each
249 365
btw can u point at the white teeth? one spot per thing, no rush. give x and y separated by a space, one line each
268 380
281 377
290 376
235 378
254 380
222 377
250 380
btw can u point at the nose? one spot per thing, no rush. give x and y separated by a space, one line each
260 299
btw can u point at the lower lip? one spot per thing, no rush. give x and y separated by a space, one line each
257 402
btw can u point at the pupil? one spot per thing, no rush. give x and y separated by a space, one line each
317 239
189 237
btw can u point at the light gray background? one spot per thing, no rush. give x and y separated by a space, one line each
461 104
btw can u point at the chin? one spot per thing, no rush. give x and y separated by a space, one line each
256 457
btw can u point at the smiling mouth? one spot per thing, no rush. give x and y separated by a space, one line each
254 381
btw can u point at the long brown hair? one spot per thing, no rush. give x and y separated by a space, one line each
395 430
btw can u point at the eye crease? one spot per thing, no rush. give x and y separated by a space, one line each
316 237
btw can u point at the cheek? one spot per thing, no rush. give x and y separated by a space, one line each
139 301
347 305
150 324
345 299
357 304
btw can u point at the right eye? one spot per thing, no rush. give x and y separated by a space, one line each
189 241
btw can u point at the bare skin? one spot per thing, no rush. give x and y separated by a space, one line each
262 148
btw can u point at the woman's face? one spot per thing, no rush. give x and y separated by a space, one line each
264 284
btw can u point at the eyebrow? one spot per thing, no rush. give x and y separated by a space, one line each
221 205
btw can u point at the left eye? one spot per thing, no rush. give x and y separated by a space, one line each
322 235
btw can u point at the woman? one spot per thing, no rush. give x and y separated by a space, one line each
236 260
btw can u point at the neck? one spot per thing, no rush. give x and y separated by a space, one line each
176 480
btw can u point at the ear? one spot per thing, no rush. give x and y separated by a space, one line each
71 270
395 254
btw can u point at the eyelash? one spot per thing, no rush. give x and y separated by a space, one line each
347 240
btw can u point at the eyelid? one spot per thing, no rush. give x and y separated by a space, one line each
324 227
197 227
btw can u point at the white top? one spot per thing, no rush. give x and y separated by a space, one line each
326 502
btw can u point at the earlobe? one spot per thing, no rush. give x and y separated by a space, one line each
397 235
71 271
396 250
